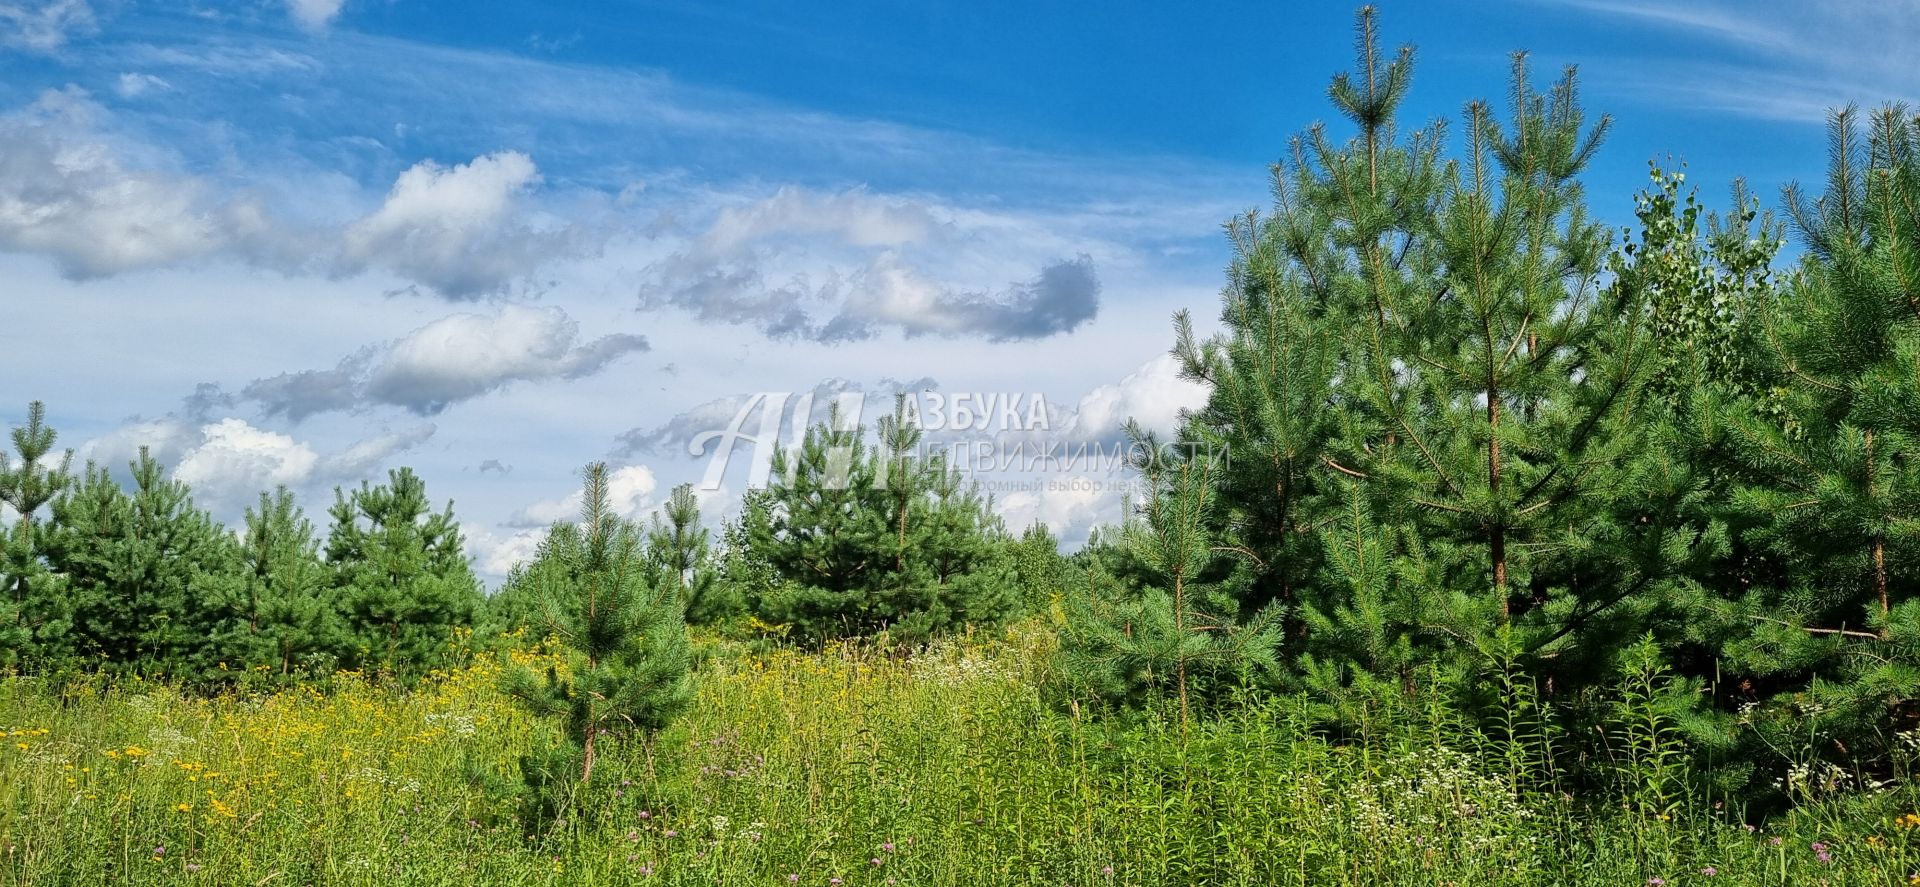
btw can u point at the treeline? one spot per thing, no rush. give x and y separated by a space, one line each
136 579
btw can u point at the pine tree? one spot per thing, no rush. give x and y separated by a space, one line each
1432 398
679 556
28 481
626 645
400 574
1127 646
1828 460
853 540
286 618
136 571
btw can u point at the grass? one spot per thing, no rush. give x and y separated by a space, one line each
850 767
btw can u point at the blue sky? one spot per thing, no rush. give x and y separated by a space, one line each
301 242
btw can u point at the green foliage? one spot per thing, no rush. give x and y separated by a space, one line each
400 575
1824 458
1128 645
284 620
852 539
679 557
28 481
132 573
627 656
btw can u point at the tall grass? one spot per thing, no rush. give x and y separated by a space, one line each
856 767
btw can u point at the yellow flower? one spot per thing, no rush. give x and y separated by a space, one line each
183 808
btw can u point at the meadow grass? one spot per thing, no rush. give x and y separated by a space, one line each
852 767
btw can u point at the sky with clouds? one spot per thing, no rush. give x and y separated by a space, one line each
302 242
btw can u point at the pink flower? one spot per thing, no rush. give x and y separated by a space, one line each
1709 871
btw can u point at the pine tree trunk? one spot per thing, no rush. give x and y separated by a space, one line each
1880 583
1180 657
1497 542
586 768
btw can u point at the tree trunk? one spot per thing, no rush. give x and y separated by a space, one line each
1497 541
1180 658
1880 584
586 769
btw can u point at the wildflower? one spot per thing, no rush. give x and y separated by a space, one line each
672 834
1773 841
834 881
1656 882
1106 871
1709 871
874 861
192 867
888 847
793 878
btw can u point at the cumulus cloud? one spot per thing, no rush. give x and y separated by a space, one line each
890 294
229 461
1154 395
314 15
629 491
452 359
235 460
1070 506
495 554
45 25
68 191
460 229
97 203
850 266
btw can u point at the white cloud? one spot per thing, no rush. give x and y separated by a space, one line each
845 266
363 458
1800 60
1154 395
45 25
629 492
1069 506
457 229
455 358
314 15
68 192
230 461
133 84
496 555
236 460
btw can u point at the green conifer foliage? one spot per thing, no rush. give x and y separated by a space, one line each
679 556
28 481
286 619
137 571
853 539
1125 646
400 575
626 645
1828 462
